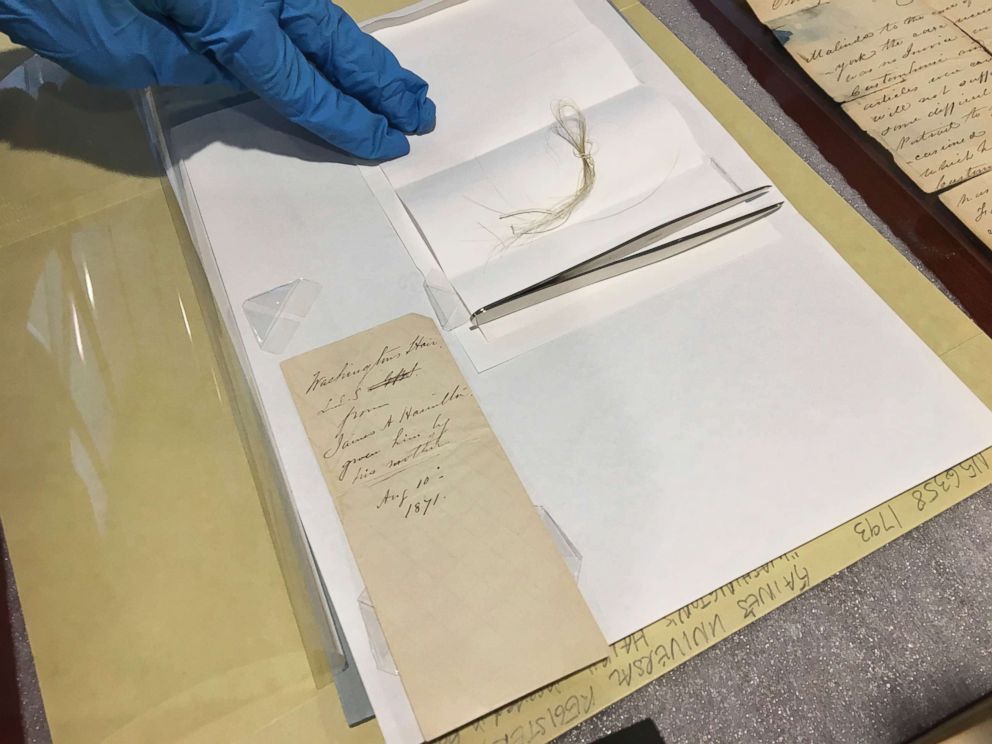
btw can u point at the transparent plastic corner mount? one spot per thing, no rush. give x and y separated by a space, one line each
448 306
567 549
377 639
275 314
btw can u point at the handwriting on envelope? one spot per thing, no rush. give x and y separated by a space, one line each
476 604
972 203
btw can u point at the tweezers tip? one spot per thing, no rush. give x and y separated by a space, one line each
756 193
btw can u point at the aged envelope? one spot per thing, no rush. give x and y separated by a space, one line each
853 48
936 125
972 203
475 602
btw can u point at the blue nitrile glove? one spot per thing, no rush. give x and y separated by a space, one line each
307 58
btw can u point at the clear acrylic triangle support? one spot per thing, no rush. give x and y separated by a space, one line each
448 306
275 315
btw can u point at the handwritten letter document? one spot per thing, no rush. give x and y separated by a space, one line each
476 604
914 74
972 203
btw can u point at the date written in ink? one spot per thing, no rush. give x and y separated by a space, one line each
418 501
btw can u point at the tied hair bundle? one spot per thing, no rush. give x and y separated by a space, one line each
570 125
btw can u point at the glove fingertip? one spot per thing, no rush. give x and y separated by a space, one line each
393 144
428 117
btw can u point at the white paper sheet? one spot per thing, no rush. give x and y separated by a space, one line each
671 429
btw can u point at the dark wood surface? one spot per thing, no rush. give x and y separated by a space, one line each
945 246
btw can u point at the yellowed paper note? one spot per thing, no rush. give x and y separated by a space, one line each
475 602
853 48
936 125
972 203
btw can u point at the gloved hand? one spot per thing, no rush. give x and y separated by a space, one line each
307 58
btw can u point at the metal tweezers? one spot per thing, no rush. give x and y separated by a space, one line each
628 256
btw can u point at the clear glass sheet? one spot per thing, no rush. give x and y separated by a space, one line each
137 515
